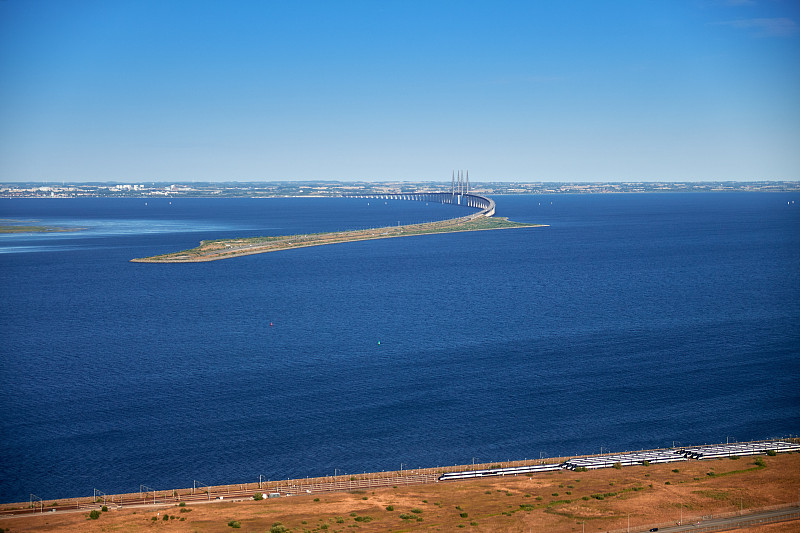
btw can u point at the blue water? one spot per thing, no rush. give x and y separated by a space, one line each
632 321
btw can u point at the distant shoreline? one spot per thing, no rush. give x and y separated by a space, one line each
230 248
328 189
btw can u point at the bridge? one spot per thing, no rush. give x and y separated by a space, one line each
486 205
459 195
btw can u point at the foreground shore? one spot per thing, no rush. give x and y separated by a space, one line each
563 501
229 248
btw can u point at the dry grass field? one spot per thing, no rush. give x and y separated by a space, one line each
564 501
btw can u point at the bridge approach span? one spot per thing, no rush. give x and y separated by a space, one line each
485 204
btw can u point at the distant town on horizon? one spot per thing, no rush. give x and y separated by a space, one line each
266 189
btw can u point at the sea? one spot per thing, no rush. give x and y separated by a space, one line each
631 321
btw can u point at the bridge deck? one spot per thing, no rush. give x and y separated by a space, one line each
485 204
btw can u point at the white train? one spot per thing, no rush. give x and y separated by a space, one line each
634 458
511 471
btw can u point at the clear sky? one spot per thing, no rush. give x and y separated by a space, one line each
550 90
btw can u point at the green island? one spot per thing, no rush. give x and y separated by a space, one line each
12 228
228 248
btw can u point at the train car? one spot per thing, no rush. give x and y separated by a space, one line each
510 471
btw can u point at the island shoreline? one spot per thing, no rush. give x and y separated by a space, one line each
231 248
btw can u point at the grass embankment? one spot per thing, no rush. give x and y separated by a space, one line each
562 501
228 248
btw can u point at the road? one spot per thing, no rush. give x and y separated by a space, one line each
735 522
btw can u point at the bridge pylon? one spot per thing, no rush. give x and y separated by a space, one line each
459 185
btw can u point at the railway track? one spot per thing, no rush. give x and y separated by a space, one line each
288 489
361 482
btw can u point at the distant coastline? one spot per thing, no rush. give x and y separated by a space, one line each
310 189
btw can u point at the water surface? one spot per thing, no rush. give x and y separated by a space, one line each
631 322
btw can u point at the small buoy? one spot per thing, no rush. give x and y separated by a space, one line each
270 324
379 342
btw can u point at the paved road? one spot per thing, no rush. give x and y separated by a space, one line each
734 522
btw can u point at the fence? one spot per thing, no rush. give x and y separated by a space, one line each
336 483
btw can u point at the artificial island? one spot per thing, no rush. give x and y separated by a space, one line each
476 221
21 228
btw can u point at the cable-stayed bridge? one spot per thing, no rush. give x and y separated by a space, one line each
459 195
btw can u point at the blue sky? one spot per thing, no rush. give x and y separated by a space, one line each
623 90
